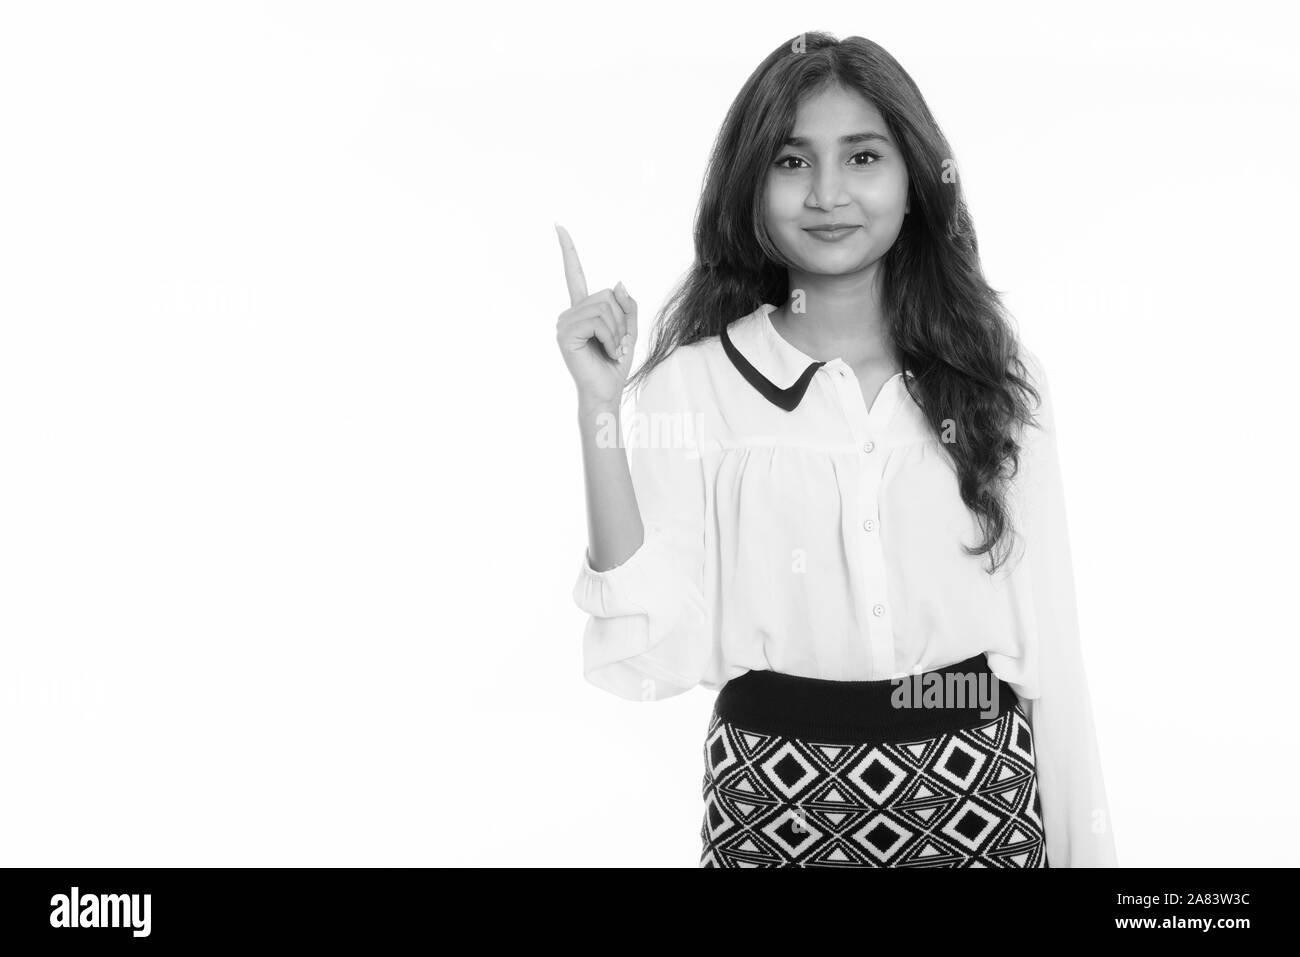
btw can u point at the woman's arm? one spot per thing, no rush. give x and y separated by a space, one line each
614 528
597 337
1076 813
641 582
649 635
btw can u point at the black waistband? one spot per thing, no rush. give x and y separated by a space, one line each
961 695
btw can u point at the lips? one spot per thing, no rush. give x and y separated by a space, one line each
831 233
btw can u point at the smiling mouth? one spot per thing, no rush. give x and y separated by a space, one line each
830 234
832 228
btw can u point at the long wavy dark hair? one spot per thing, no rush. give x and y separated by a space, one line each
948 325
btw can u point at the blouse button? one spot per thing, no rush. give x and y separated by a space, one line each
878 610
869 525
868 446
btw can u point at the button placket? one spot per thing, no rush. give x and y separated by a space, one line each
873 591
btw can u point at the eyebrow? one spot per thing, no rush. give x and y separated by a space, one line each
866 137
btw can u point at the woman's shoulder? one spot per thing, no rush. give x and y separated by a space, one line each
699 352
690 367
700 370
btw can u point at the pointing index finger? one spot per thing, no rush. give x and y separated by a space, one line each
572 267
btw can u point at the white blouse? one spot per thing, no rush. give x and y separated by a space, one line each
820 537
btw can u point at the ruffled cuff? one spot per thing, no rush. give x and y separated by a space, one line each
647 635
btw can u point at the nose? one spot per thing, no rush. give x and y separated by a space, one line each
827 189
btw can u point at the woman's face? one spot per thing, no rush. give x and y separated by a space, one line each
839 166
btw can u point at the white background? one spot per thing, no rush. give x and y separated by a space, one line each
290 489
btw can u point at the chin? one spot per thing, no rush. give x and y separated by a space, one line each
843 265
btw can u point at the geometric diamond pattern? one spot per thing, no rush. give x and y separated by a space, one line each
966 798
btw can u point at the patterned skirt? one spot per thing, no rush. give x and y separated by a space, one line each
932 770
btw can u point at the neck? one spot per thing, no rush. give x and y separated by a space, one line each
842 318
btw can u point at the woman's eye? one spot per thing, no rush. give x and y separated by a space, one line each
873 158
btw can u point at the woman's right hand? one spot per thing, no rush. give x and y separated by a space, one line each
596 334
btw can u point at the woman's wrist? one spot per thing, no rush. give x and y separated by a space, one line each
588 408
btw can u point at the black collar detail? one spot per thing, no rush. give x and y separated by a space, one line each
787 399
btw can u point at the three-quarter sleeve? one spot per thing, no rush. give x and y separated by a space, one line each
648 632
1076 815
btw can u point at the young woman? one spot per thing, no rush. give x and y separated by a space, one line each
834 503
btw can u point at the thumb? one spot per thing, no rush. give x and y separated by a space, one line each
629 307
